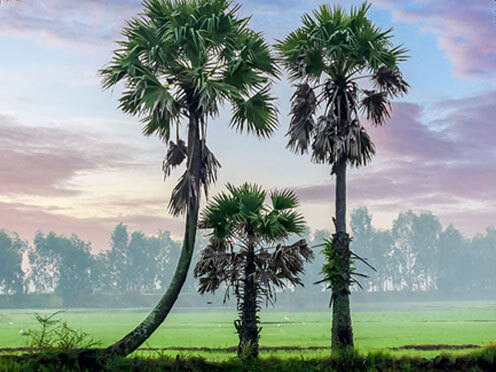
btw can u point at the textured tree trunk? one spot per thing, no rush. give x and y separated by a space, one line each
143 331
342 332
247 328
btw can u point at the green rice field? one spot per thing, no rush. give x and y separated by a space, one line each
377 326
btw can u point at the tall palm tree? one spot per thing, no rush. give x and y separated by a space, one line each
328 56
179 62
245 252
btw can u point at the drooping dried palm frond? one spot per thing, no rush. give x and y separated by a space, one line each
390 81
176 153
376 106
215 267
287 261
183 193
358 144
304 104
352 143
324 139
209 168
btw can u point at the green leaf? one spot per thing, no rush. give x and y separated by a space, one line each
257 114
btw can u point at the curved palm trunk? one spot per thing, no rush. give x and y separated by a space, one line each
342 332
143 331
248 326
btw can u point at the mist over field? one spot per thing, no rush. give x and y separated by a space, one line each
417 259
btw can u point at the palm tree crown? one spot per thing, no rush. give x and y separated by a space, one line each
331 52
188 57
240 222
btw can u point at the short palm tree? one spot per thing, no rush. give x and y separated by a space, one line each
246 252
179 61
328 56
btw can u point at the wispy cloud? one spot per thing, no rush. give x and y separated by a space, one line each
76 20
37 160
465 30
26 219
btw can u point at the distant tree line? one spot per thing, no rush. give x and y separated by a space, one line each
415 255
418 255
134 263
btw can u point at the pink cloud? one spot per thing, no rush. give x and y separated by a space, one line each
42 161
465 30
403 133
26 219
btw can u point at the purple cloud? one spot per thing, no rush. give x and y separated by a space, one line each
465 30
91 21
42 161
77 20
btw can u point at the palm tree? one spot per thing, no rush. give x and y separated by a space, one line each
245 252
179 62
328 56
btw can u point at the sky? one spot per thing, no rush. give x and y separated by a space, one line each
71 162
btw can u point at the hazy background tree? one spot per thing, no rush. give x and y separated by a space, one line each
453 262
458 268
11 273
138 263
373 244
61 265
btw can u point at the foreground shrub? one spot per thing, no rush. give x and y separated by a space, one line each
480 360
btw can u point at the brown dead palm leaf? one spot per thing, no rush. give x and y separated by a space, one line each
184 191
390 80
376 106
176 153
303 106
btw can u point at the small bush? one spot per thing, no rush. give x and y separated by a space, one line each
55 336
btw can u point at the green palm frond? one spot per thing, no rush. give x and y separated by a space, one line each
284 199
251 198
257 114
293 222
220 215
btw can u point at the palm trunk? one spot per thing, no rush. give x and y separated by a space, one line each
143 331
342 332
248 327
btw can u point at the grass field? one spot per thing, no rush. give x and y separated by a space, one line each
376 326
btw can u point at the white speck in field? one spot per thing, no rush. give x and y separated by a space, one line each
220 325
11 323
286 318
303 323
278 325
21 331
